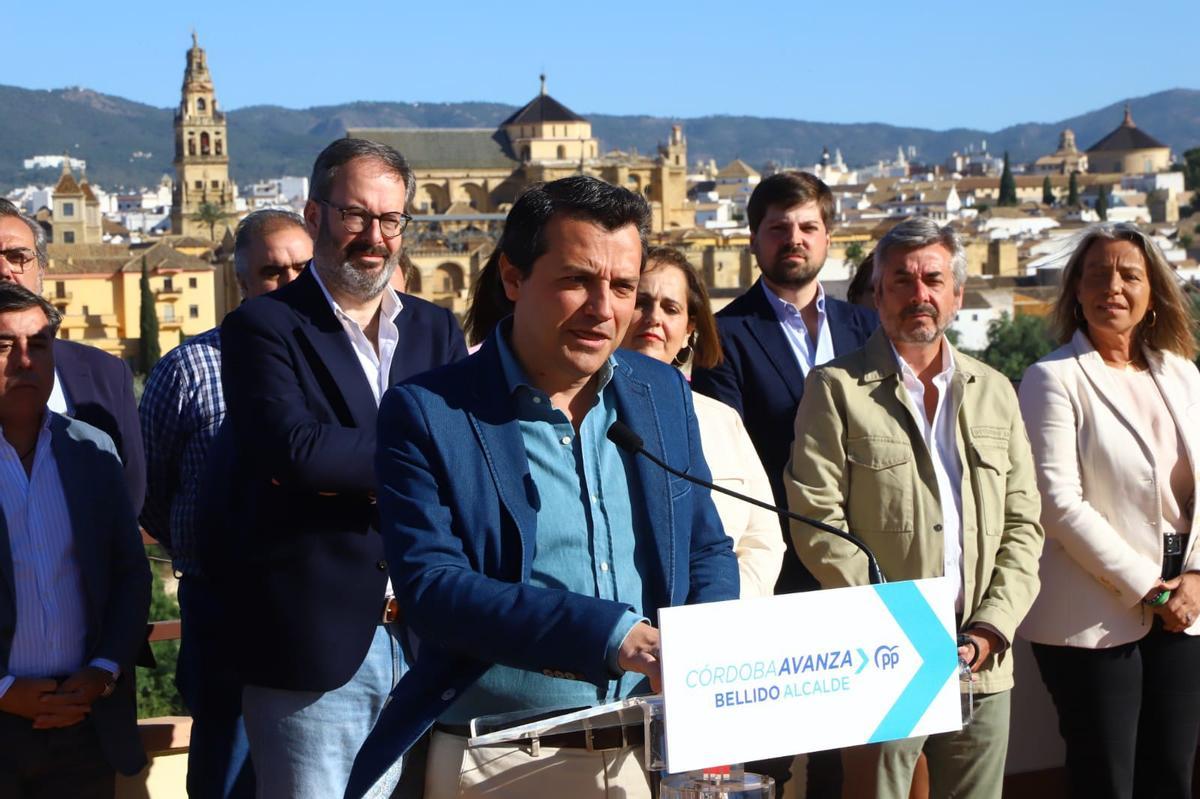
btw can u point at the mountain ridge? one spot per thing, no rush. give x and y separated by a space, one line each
130 143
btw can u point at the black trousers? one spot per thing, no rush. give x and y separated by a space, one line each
52 764
1130 715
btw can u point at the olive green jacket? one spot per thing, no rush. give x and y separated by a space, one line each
859 463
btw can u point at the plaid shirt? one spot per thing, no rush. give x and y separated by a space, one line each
181 410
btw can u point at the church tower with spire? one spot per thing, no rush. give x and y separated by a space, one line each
202 185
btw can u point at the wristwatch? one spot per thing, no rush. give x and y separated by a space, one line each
110 684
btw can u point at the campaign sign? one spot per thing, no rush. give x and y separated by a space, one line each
757 678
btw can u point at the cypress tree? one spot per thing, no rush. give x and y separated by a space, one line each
1047 192
1102 204
150 351
1073 191
1008 185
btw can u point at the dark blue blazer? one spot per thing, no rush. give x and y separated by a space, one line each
298 557
459 514
115 572
761 380
99 389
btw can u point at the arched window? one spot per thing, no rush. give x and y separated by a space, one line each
191 146
218 147
200 105
204 144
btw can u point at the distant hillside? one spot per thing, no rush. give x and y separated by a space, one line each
267 141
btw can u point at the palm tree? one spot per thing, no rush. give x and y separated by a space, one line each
210 214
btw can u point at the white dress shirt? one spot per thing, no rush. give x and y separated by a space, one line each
49 639
58 397
809 353
940 442
376 364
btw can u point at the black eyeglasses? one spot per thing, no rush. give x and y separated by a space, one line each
17 257
356 220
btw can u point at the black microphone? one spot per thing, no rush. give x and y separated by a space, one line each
623 436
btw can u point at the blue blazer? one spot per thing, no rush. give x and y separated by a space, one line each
458 508
762 381
295 549
99 389
115 572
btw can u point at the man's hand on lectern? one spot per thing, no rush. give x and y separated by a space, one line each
639 652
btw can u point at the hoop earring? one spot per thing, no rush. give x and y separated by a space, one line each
1153 314
685 352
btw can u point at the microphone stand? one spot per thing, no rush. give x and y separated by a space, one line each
624 437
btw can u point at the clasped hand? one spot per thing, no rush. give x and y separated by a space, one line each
49 704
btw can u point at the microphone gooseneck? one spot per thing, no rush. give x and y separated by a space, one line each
624 437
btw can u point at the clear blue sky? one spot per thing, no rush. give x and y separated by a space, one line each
937 65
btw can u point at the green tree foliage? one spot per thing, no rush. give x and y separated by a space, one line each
149 352
211 215
1015 343
1191 171
1047 191
1008 185
156 693
855 252
1102 204
1186 241
1073 191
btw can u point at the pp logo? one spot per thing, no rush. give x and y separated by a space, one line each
887 657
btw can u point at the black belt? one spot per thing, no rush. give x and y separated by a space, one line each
597 740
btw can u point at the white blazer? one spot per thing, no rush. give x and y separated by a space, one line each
757 536
1101 505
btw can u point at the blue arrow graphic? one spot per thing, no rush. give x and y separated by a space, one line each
862 665
934 646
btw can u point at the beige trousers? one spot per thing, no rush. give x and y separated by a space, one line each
511 772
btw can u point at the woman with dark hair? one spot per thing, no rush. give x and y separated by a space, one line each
674 324
1112 416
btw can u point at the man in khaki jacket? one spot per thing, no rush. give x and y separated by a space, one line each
920 451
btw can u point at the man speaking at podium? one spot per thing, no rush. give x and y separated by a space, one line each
529 553
921 451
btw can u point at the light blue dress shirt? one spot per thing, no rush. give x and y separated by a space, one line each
586 541
51 613
809 354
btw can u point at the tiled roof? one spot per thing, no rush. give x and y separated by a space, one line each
1126 137
162 255
737 168
445 148
542 108
67 186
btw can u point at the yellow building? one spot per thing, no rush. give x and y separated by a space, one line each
76 213
202 182
97 289
1065 160
1128 150
483 170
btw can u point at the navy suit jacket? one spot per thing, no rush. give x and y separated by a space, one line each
296 550
115 572
459 515
99 389
762 381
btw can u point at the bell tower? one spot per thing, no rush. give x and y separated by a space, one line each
202 185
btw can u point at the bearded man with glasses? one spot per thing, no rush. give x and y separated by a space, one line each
291 540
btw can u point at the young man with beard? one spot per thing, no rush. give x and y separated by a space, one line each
300 564
921 451
772 336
